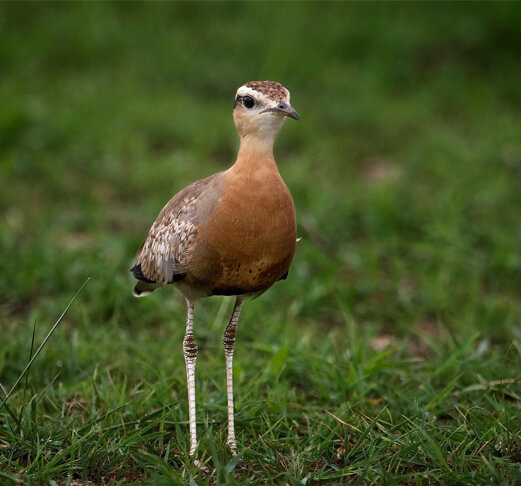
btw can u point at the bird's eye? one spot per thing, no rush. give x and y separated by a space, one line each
248 101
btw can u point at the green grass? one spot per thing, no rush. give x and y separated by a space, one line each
392 354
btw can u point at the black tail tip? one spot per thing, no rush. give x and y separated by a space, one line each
143 289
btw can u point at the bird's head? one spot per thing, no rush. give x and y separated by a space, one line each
260 109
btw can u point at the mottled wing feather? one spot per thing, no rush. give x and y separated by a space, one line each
167 252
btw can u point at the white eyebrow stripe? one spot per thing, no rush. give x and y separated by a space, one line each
256 95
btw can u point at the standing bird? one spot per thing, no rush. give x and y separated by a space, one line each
233 233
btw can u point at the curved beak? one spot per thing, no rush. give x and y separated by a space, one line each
284 109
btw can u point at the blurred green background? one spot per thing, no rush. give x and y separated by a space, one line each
405 170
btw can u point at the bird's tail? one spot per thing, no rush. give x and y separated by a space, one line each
142 289
145 286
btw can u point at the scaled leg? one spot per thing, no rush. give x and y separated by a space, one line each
229 347
190 353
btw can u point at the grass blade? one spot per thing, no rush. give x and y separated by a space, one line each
44 342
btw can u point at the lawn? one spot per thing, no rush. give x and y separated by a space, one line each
391 354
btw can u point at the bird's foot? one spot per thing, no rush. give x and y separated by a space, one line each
203 468
232 445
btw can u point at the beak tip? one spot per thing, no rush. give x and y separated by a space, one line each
287 109
284 109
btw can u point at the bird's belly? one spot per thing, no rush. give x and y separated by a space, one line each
246 275
238 266
243 257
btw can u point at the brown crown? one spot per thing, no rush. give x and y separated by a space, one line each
271 89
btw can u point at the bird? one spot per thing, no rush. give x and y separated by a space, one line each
232 233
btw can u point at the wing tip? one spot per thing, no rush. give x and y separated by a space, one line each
139 275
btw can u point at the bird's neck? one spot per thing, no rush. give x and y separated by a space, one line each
255 153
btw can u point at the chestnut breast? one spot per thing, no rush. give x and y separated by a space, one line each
249 238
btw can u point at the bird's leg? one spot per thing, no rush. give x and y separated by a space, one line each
190 352
229 346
